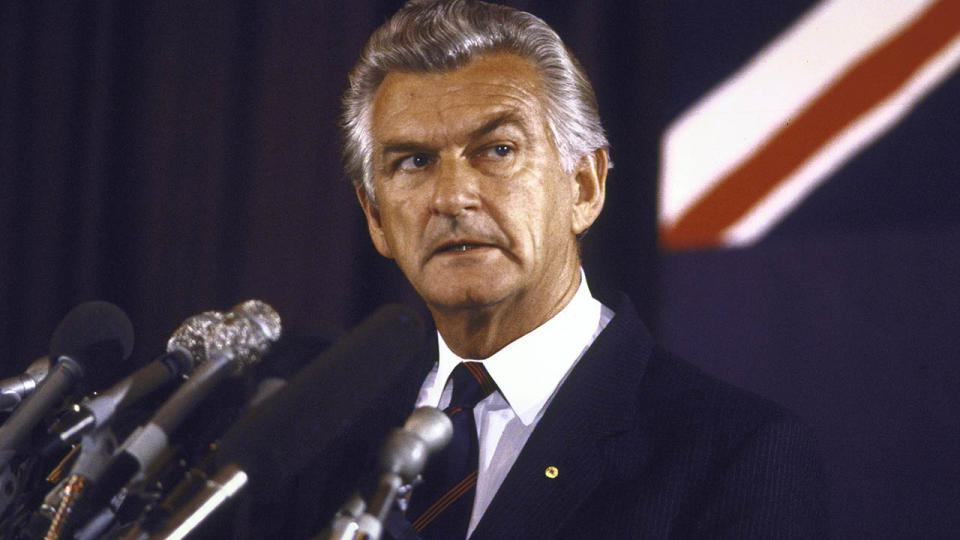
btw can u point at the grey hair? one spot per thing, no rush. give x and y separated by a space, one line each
443 35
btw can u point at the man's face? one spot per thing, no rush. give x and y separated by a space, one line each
472 202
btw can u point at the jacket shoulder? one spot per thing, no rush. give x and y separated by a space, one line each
692 399
750 467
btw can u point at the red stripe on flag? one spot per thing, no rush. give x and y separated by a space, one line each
874 78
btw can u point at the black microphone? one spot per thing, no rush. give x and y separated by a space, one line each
185 348
92 338
85 422
13 390
277 439
232 345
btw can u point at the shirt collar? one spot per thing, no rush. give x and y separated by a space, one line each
529 369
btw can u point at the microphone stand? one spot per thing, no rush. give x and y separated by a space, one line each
403 457
96 449
344 525
220 488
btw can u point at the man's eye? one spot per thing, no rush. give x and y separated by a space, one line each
499 150
416 161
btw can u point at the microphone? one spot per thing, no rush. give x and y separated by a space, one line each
402 459
297 347
232 345
185 348
90 339
13 390
277 439
85 421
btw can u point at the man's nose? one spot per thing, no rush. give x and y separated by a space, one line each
455 188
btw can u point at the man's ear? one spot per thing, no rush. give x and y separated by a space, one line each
590 184
373 223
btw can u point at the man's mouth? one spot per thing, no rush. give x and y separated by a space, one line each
460 247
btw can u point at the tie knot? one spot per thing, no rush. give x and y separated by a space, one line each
471 383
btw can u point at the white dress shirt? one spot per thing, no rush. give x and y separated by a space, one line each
528 372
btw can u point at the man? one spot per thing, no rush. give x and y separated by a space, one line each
478 157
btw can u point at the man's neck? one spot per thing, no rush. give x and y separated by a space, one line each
479 332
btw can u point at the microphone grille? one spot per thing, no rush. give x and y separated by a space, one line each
263 315
246 331
192 334
404 453
432 425
426 431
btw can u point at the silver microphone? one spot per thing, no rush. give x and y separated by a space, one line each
13 390
185 349
230 346
405 452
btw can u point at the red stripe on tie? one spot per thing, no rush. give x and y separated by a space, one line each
445 501
482 377
878 75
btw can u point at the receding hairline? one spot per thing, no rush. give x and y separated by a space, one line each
507 114
438 37
536 88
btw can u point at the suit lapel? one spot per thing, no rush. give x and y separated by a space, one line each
597 401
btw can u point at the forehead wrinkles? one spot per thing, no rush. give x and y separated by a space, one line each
450 120
450 104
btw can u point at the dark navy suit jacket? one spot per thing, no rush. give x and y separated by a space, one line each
645 446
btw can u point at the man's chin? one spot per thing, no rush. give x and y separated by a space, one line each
478 297
449 285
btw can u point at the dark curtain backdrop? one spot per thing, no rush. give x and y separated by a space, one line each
175 157
179 156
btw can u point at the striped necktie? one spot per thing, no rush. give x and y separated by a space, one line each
440 508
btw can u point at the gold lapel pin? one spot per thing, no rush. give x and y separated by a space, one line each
551 472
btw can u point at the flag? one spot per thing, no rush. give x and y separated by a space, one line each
745 155
809 223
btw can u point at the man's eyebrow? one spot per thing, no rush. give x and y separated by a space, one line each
507 118
402 147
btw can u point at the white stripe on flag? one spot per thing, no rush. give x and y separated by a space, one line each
728 125
838 151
